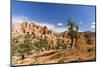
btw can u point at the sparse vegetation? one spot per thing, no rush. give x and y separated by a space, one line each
47 46
22 45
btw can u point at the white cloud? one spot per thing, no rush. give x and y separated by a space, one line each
60 29
52 27
19 19
93 25
60 24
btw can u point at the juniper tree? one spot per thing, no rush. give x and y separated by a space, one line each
72 31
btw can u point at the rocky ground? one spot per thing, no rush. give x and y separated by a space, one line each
82 53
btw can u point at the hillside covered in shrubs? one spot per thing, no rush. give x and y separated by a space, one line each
36 44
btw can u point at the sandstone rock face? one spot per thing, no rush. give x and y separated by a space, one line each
41 31
31 28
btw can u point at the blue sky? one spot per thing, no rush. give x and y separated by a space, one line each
54 16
